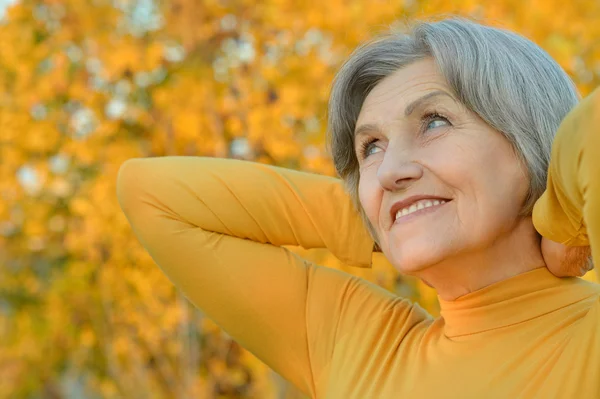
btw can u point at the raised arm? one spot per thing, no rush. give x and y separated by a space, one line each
569 210
210 224
264 203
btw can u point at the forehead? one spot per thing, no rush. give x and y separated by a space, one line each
391 95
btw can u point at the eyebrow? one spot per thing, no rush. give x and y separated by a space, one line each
362 129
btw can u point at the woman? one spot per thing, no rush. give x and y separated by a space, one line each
442 139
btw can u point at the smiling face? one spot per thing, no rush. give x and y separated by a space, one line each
415 139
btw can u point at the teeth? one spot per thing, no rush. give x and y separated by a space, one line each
417 206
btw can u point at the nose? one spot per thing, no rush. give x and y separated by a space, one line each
398 170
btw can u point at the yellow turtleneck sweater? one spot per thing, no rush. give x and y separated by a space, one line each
216 228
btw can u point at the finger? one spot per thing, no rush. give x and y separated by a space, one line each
575 261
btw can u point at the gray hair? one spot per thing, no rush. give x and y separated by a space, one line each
506 79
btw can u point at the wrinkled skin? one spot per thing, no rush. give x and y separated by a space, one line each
563 261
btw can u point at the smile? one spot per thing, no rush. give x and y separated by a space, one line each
419 207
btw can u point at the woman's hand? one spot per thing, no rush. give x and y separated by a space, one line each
564 261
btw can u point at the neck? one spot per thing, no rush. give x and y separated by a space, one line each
516 252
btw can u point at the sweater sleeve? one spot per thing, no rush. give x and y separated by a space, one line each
569 210
214 227
266 204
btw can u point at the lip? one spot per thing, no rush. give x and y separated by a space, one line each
409 201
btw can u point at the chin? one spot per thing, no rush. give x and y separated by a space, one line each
412 260
411 263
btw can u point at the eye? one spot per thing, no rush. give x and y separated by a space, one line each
434 120
430 120
366 146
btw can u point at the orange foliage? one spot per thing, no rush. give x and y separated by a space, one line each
89 84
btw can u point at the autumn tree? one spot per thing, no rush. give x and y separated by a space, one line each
84 311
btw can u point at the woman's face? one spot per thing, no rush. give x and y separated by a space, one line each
422 142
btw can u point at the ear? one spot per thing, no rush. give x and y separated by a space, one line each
564 261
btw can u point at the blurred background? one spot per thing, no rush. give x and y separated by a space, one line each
87 84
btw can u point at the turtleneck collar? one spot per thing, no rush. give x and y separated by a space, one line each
514 300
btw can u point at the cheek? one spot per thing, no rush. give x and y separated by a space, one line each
499 188
504 178
477 180
369 195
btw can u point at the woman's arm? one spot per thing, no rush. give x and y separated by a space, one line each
266 204
569 210
206 224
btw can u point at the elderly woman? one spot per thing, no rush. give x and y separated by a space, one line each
452 163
